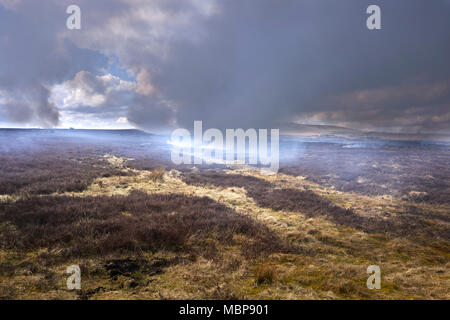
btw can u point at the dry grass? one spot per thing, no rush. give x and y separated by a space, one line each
142 232
264 274
157 175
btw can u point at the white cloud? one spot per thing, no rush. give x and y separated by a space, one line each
87 90
91 101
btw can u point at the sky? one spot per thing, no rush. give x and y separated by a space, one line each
161 64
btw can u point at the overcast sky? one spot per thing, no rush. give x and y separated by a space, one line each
161 64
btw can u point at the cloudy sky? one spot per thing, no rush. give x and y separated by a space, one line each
161 64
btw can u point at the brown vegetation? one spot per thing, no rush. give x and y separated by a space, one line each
98 226
49 173
112 204
157 175
264 274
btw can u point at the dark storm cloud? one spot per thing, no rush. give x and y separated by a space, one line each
258 63
264 63
17 112
410 107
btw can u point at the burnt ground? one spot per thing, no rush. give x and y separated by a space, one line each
417 171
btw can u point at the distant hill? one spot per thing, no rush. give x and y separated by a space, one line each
326 130
307 129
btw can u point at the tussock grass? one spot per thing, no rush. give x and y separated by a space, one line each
265 274
157 175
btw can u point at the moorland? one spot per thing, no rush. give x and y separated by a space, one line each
140 227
